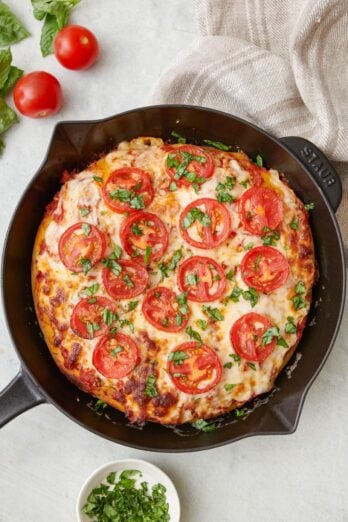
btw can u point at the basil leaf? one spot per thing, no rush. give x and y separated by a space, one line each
11 29
5 65
203 425
290 326
150 386
229 387
267 337
202 324
178 357
251 365
178 137
193 334
213 313
147 254
259 160
12 78
48 33
300 288
7 116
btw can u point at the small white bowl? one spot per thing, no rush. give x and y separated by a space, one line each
150 474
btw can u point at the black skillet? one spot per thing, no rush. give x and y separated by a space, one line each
74 145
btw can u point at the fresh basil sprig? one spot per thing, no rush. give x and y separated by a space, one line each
11 29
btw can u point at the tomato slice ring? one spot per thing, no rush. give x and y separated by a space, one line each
197 369
115 356
136 181
264 268
81 241
144 237
246 337
202 278
162 310
260 207
209 235
202 170
86 319
131 281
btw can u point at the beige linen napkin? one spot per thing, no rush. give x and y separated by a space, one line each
282 64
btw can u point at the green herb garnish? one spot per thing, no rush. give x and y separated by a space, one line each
86 229
11 29
86 264
193 334
202 324
150 387
309 206
217 145
147 254
229 387
203 425
132 305
251 295
129 196
99 406
84 212
195 214
259 160
290 326
178 357
178 137
213 313
136 230
98 179
269 236
91 290
294 224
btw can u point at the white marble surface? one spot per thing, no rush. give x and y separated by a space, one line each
44 457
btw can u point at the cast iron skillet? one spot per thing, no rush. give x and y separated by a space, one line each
74 145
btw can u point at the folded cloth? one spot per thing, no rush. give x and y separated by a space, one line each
282 64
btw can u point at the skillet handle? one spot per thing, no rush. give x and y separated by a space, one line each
20 395
319 166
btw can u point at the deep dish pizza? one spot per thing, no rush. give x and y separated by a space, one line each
173 281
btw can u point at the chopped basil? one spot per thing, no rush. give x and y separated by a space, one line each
91 328
202 324
230 275
172 161
257 262
178 357
251 295
136 230
213 313
122 500
229 387
99 406
282 342
165 322
11 29
98 179
192 279
244 183
116 350
129 196
259 160
298 302
182 300
251 365
203 425
221 188
228 365
126 322
290 326
91 290
195 214
173 263
225 197
86 229
84 211
240 412
150 386
132 305
270 236
267 337
92 300
294 224
235 357
193 334
300 288
172 187
178 137
147 254
127 279
235 294
248 246
309 206
86 264
108 316
217 145
178 319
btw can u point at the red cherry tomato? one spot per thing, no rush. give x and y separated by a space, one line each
264 268
38 94
76 47
246 337
144 237
131 281
194 368
201 165
260 207
205 223
115 356
162 310
134 181
202 278
87 317
81 245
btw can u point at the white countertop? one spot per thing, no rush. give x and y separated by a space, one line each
44 456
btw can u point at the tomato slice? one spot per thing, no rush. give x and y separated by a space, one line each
260 207
87 319
205 223
202 278
184 169
128 189
264 268
131 281
81 245
115 356
246 337
162 309
194 368
144 237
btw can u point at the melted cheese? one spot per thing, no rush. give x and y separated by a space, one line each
83 191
